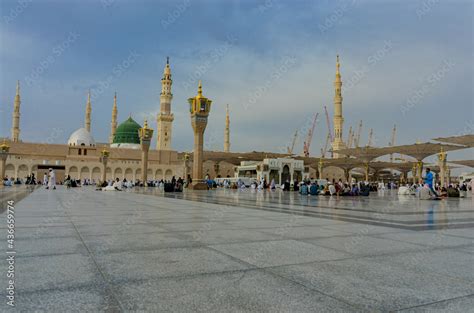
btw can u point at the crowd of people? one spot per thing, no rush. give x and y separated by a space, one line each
427 189
305 187
173 185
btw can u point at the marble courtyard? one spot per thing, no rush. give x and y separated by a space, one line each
238 251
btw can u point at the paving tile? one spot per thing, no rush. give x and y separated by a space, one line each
79 299
455 263
299 232
374 283
103 244
363 245
165 262
248 291
433 239
463 304
274 253
54 272
216 236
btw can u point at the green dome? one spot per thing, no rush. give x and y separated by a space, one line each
127 132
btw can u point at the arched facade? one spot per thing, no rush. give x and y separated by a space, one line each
108 173
22 171
96 173
85 173
332 172
73 172
10 170
128 174
168 174
118 173
159 174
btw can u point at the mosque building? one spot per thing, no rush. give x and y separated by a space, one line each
80 157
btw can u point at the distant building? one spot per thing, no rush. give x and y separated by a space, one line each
280 169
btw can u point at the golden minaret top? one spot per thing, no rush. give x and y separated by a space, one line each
200 89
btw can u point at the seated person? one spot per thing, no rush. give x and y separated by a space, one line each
313 189
453 192
355 190
7 182
364 190
117 185
444 192
404 190
332 189
346 191
304 189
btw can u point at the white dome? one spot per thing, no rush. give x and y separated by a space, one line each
81 137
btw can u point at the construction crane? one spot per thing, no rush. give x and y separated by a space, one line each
290 150
328 123
349 138
309 137
371 135
357 138
326 146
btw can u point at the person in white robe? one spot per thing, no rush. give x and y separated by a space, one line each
45 179
52 179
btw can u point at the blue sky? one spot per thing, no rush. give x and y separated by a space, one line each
403 62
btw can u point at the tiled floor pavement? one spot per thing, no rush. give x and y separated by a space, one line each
231 251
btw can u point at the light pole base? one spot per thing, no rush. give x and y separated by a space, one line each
198 186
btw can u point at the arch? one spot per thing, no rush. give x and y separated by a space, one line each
285 174
128 174
96 173
159 174
118 173
73 172
10 171
333 172
168 174
85 173
149 174
108 173
22 171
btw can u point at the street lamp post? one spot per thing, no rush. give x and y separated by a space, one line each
104 158
145 134
199 107
4 149
186 163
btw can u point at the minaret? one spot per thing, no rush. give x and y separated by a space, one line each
165 117
113 123
88 112
227 131
338 122
16 115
